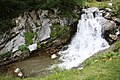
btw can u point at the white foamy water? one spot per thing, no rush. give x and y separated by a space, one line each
86 42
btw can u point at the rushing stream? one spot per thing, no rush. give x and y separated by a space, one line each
86 42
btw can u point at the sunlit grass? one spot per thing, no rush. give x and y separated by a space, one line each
104 66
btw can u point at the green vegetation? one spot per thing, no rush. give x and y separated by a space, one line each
38 45
29 37
116 8
23 48
57 30
104 4
6 25
5 55
61 4
96 4
104 66
99 67
116 47
10 9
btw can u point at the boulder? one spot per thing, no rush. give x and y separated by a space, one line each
53 56
32 47
19 73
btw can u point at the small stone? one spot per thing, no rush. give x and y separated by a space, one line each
32 47
108 9
110 4
118 32
80 68
114 37
17 70
53 56
110 59
20 74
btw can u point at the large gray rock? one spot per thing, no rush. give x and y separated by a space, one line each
34 22
13 44
45 31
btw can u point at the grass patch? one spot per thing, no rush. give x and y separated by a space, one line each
29 37
103 4
99 67
23 48
57 30
104 66
116 47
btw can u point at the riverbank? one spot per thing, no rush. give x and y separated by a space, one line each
105 66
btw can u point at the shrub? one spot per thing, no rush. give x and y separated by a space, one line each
6 25
61 4
28 37
23 48
57 30
38 45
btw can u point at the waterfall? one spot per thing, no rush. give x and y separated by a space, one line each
86 42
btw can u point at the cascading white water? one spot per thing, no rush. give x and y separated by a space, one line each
86 42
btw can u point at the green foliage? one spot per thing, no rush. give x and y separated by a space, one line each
65 7
11 8
38 45
61 4
23 48
56 70
57 30
116 8
28 37
6 25
96 4
5 55
98 67
8 78
104 4
116 47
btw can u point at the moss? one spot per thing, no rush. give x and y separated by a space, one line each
28 37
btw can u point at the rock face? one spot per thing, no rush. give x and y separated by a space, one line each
31 28
110 25
36 27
